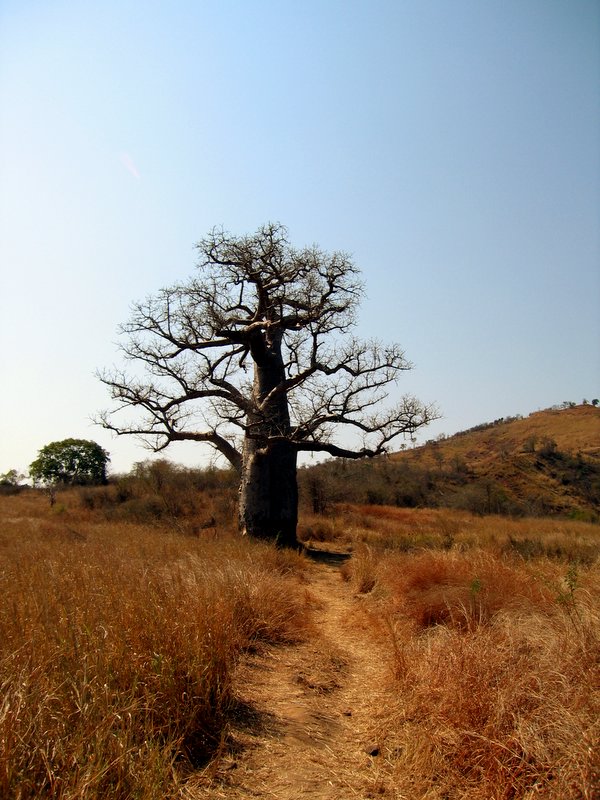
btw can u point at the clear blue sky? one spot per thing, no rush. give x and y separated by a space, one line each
452 146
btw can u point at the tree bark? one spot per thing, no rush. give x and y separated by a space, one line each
269 493
268 502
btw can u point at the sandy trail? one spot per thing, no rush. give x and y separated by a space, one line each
308 720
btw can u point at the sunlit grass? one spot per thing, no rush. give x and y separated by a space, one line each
495 630
118 643
404 529
117 646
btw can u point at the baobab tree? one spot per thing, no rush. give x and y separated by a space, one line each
254 356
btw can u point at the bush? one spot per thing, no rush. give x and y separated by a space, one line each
159 491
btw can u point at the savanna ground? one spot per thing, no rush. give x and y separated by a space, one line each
438 655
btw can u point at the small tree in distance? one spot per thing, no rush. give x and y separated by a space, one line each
254 356
76 462
11 478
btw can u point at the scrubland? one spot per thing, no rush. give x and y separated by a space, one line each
546 464
119 640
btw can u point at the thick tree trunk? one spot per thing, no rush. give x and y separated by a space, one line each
268 504
269 493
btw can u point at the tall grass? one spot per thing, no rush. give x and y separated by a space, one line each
412 530
497 676
495 630
117 645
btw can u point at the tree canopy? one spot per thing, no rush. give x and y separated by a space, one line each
255 355
70 462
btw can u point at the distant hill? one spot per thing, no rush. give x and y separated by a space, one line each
575 429
546 463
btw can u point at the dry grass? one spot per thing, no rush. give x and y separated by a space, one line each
460 590
117 646
497 660
495 627
412 530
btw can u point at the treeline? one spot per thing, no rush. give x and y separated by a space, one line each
453 483
191 499
196 499
404 484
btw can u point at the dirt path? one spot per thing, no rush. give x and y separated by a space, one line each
308 721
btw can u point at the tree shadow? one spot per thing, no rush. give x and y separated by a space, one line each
329 557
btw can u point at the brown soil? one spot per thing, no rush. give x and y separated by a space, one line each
308 725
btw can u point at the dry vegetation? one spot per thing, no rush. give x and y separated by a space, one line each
495 626
545 464
120 641
117 646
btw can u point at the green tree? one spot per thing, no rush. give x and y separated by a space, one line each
254 356
11 478
70 462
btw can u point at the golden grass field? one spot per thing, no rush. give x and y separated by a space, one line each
495 625
119 642
117 645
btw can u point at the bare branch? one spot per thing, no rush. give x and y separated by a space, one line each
258 342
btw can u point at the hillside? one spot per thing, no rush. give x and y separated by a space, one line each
546 463
574 430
